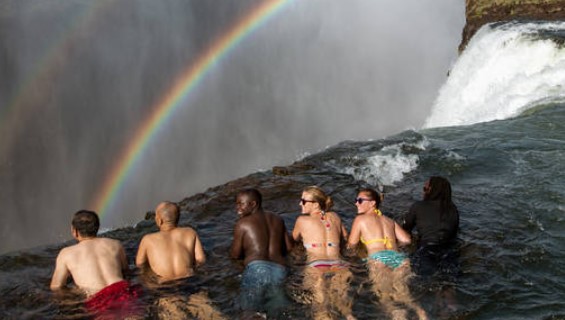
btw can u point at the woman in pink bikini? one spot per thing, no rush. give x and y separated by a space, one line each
389 269
326 275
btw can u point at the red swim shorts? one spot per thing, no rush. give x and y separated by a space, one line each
117 298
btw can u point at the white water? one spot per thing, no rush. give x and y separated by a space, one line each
388 165
503 71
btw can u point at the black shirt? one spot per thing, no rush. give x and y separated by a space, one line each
432 229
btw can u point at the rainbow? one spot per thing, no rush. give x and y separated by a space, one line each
174 98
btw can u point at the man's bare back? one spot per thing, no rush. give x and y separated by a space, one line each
173 252
260 238
259 235
97 266
94 263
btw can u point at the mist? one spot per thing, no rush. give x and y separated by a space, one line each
78 77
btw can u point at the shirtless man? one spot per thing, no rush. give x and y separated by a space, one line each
96 266
261 239
172 253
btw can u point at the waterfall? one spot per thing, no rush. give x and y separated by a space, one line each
506 69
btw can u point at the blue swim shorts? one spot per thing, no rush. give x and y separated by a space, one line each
390 258
261 286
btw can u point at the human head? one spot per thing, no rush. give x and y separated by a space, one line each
317 198
167 212
86 223
370 200
247 201
437 188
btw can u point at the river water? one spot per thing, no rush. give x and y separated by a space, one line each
497 131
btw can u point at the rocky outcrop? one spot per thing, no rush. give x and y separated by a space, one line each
480 12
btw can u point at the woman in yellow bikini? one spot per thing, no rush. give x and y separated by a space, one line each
389 269
326 275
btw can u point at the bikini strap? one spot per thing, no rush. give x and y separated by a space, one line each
325 220
320 245
387 243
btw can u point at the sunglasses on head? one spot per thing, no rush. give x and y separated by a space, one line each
360 200
304 201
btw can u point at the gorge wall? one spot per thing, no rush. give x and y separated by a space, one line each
480 12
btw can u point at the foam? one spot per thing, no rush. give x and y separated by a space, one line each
388 165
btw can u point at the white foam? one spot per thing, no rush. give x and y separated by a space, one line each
388 165
503 72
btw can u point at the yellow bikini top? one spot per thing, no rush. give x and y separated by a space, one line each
386 241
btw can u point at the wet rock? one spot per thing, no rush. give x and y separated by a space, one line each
480 12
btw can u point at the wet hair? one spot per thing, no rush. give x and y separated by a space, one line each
318 195
253 194
86 223
440 190
373 195
169 212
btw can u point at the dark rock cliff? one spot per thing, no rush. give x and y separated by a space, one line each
480 12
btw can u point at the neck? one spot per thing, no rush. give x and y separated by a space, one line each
167 227
81 238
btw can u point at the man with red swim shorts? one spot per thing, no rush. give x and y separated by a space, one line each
97 266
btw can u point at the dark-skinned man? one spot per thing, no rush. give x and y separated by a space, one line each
260 238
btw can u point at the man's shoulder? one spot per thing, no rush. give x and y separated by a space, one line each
251 223
101 240
246 220
273 216
150 236
186 231
269 213
67 251
112 244
107 240
72 251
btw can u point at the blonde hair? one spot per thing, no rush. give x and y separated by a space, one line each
318 195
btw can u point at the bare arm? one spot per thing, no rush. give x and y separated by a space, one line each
236 250
355 234
141 257
61 273
296 232
402 236
199 256
343 232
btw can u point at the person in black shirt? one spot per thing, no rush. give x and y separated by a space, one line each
435 218
436 221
